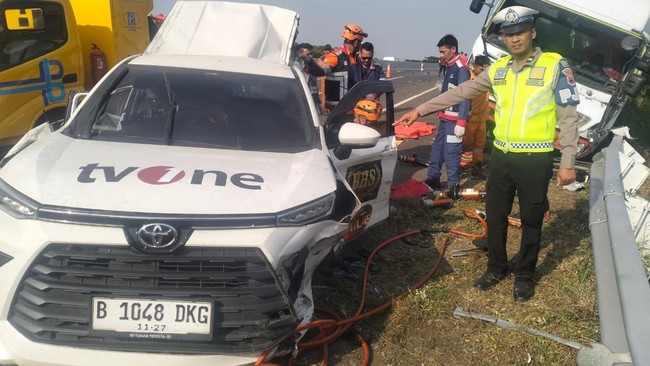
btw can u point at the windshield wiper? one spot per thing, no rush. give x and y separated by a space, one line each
173 107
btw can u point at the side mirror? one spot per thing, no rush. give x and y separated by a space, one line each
476 6
358 136
355 136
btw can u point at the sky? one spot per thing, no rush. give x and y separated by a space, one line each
406 29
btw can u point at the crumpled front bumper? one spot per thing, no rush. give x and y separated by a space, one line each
33 334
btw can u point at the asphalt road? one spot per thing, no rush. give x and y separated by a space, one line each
411 89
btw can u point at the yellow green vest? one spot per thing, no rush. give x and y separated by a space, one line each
525 104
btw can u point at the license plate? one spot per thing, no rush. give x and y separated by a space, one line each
141 317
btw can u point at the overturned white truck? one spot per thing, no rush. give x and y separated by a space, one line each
177 216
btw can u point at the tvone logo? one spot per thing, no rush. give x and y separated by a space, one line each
160 175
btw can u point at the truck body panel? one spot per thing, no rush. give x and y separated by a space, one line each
118 28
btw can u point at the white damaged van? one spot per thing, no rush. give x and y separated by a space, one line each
177 216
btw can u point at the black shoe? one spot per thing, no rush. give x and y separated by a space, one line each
524 288
488 280
433 183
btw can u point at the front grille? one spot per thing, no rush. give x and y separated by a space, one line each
53 301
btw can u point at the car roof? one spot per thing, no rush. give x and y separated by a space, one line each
217 63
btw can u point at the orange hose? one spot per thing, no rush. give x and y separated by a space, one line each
470 213
331 329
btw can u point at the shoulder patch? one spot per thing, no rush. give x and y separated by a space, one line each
569 76
566 92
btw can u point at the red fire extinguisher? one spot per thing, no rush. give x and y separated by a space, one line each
97 63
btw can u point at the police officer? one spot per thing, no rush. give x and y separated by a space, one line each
534 91
340 67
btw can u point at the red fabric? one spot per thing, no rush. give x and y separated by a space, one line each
415 130
410 188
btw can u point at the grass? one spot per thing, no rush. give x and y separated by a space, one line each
420 330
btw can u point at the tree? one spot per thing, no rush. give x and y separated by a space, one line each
432 59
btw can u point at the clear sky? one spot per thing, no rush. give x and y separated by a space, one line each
404 29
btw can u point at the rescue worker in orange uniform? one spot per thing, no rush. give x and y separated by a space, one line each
475 131
340 67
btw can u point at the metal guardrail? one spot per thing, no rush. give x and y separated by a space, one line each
622 286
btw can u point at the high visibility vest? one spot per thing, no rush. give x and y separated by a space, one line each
341 78
525 104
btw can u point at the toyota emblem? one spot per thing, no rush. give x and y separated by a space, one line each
157 236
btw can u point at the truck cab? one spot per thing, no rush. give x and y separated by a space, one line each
45 50
603 41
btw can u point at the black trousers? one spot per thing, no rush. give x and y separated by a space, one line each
528 176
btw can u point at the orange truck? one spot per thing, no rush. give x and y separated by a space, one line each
50 48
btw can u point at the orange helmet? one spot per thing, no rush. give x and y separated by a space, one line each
352 32
369 109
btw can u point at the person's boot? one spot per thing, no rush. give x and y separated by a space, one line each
524 288
489 280
433 183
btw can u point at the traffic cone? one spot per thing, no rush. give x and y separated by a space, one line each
388 72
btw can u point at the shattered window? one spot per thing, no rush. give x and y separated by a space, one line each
202 108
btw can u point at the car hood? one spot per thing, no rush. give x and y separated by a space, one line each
62 171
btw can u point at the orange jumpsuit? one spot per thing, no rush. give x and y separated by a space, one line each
475 131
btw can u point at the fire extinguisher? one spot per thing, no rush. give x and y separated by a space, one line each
97 63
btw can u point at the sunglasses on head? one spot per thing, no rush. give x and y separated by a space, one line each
356 33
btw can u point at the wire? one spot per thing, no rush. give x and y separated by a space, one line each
331 329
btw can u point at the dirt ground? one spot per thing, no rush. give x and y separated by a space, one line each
420 329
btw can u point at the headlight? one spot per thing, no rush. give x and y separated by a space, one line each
309 212
16 204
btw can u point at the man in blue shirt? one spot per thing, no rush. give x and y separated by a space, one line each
369 69
447 146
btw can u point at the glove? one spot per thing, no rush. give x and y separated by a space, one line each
459 131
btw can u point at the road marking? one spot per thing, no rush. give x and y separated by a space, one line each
415 96
396 77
